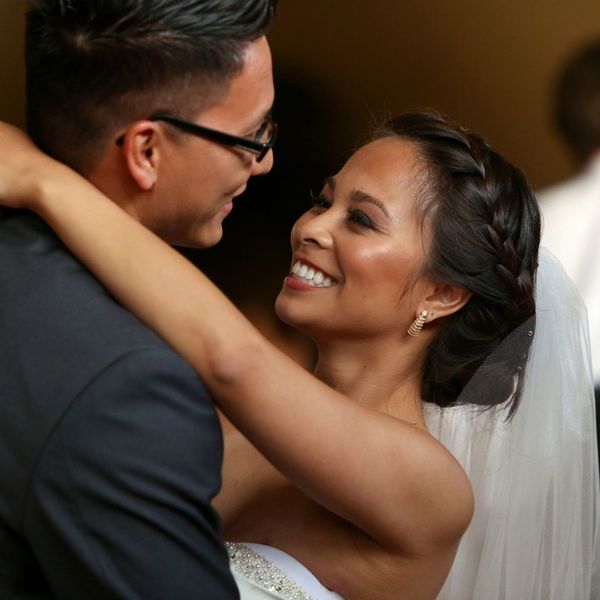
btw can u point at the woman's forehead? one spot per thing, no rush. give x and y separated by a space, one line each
385 168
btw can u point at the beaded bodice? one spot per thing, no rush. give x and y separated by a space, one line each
262 572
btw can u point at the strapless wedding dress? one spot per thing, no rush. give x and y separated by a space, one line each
263 573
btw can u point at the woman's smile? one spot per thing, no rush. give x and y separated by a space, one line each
311 275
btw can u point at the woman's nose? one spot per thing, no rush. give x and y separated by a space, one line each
315 229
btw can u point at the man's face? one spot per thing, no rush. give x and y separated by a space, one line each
198 178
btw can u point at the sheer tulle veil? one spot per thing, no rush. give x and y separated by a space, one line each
535 531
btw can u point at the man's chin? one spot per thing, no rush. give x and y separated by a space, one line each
208 238
204 238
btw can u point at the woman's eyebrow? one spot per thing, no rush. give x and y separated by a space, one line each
360 196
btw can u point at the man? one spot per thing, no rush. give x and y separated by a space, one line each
110 448
572 208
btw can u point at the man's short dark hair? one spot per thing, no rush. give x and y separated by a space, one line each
96 65
578 102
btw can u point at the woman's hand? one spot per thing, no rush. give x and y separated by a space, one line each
23 168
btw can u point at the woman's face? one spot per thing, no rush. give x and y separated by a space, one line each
357 253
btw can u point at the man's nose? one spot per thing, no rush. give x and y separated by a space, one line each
264 166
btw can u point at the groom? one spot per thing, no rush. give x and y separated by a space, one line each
110 447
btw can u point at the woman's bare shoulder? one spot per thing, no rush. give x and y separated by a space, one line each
443 497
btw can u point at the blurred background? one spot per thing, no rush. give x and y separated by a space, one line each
343 65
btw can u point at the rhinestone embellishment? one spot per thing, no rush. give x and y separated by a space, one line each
263 572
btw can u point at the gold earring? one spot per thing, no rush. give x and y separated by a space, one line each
417 324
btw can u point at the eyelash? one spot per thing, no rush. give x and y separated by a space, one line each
360 219
318 200
355 217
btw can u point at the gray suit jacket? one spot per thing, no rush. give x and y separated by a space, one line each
110 447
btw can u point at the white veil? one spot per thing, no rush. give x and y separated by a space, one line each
535 531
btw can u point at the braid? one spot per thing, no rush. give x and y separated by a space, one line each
485 229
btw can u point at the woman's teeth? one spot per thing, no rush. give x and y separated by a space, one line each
311 276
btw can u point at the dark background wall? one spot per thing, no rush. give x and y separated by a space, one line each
490 65
487 64
12 75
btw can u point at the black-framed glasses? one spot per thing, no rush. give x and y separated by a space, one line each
263 140
259 145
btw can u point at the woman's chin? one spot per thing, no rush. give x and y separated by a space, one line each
282 310
294 316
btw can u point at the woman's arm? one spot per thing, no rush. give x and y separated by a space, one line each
383 475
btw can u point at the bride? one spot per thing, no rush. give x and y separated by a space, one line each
415 274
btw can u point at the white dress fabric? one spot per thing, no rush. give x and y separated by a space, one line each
571 231
263 573
534 534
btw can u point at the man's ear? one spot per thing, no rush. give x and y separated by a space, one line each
445 299
141 150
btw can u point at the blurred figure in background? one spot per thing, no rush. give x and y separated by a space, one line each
571 209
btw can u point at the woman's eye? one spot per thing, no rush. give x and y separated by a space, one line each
359 218
318 200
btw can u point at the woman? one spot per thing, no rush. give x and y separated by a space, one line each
414 274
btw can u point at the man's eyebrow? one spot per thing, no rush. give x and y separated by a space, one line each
263 118
330 183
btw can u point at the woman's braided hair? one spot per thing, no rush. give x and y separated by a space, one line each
485 232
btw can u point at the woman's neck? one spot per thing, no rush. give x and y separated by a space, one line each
383 375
